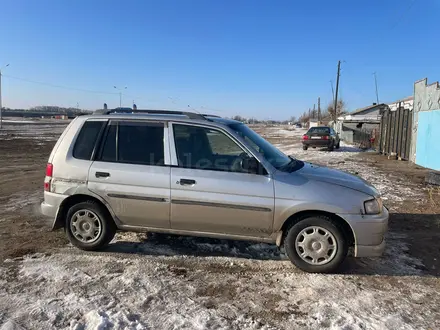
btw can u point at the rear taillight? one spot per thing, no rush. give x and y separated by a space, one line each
48 178
49 169
305 137
325 137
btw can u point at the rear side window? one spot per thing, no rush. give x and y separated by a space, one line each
85 143
134 143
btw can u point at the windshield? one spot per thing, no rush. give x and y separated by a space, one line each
274 156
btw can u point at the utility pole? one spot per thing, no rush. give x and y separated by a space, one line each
336 94
319 109
1 109
375 81
314 111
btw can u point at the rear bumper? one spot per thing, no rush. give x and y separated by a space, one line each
369 232
317 143
51 204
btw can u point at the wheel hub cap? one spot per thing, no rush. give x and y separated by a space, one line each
86 226
316 245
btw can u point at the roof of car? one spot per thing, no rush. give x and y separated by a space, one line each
161 115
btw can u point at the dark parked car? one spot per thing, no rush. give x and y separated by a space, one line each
321 137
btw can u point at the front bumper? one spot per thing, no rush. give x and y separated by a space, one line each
369 232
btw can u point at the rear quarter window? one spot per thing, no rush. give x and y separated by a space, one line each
85 143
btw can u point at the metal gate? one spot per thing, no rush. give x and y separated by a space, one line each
395 133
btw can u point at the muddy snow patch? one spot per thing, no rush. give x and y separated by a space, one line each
96 291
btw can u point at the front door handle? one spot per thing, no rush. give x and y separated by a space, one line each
102 174
187 182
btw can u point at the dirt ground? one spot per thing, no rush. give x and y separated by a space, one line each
164 281
24 151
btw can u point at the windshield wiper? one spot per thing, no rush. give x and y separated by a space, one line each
289 164
293 165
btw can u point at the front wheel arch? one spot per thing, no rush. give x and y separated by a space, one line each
338 221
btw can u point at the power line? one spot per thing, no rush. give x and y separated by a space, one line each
60 86
173 99
402 14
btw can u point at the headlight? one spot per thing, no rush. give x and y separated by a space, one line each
373 206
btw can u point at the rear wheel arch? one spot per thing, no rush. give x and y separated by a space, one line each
336 220
73 200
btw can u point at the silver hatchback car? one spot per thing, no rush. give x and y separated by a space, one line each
191 174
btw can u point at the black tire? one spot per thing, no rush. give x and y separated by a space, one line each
108 227
338 145
305 147
330 226
331 147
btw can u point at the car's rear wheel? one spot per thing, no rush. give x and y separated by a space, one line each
331 147
305 147
316 245
338 145
89 226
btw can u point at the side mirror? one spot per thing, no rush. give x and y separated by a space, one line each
250 165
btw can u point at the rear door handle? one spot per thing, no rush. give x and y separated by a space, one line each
187 182
102 174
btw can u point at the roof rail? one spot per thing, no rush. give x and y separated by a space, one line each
208 115
190 115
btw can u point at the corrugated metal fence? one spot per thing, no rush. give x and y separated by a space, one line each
395 133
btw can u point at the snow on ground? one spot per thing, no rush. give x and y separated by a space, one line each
34 130
7 121
172 282
76 290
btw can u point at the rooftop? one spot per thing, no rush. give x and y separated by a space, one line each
374 105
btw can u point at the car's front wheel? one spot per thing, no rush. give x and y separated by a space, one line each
316 245
89 226
305 147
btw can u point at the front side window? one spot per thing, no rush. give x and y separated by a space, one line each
208 149
134 143
274 156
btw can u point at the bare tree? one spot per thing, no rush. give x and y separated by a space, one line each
293 119
239 118
341 109
304 117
